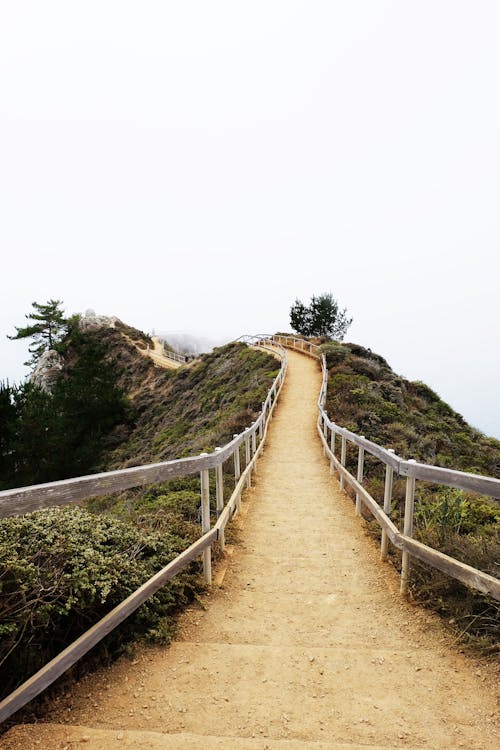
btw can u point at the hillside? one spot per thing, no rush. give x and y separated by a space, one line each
367 397
62 569
109 406
191 410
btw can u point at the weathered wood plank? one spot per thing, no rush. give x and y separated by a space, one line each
372 505
461 571
378 451
452 478
27 499
468 575
31 498
55 668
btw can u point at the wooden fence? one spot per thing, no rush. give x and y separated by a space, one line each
395 465
251 441
28 499
170 354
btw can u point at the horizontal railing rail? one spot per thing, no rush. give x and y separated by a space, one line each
27 499
175 355
412 470
168 353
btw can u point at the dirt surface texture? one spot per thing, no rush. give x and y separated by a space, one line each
304 643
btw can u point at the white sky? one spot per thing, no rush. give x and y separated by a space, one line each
196 166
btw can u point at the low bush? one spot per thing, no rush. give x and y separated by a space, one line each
63 569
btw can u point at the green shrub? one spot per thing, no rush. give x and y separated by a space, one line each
334 352
63 569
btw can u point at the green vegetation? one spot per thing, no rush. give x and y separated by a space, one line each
50 436
367 397
62 569
196 408
321 318
46 330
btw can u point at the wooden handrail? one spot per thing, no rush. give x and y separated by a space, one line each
22 500
63 661
411 470
35 497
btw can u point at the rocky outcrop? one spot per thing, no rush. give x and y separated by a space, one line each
47 370
91 322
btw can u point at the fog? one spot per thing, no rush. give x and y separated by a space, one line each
195 167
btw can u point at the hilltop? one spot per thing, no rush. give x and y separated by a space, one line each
368 397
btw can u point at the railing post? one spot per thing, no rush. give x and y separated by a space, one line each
342 460
332 448
262 421
205 523
254 439
389 476
325 433
247 457
219 494
361 468
407 530
237 472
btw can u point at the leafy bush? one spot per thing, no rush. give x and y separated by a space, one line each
63 569
451 512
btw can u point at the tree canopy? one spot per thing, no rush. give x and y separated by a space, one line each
46 330
49 436
322 317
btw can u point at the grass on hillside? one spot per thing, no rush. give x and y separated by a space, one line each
367 397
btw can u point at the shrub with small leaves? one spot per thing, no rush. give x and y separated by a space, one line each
63 569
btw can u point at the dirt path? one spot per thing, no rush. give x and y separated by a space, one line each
157 354
306 644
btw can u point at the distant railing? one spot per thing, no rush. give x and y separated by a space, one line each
168 354
27 499
412 470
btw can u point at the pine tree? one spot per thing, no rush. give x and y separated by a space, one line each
47 330
321 318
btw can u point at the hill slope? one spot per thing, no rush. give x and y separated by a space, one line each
367 397
62 569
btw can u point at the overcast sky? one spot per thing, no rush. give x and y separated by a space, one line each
196 166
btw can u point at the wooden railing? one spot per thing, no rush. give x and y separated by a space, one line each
251 441
28 499
170 354
412 470
166 353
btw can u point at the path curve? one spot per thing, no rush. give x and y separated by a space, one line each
306 644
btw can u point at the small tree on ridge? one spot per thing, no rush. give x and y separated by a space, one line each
321 318
47 330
